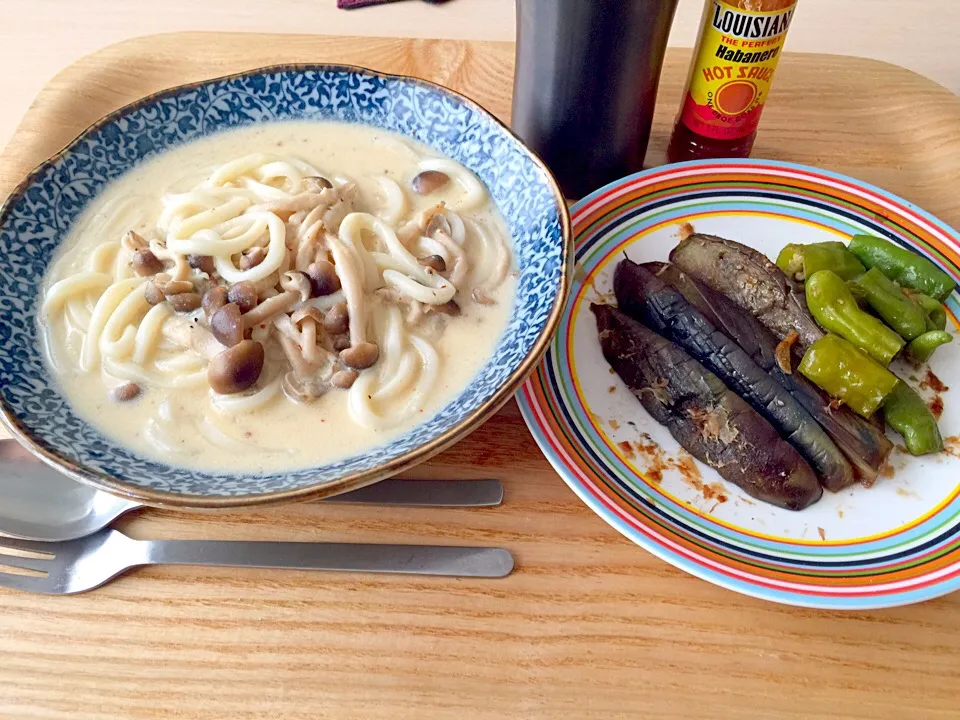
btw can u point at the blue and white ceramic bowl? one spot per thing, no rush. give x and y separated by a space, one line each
40 212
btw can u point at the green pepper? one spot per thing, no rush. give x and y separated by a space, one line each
805 260
936 315
899 311
841 370
908 414
921 349
834 307
903 266
790 260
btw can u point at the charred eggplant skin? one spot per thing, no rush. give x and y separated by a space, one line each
863 444
708 419
747 277
645 297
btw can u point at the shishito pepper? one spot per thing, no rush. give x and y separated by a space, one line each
921 349
936 315
902 313
903 266
790 260
805 260
833 306
844 372
908 414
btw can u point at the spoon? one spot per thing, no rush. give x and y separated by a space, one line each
39 503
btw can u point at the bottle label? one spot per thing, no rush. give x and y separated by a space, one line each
737 57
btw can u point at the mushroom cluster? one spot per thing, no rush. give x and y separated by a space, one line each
236 319
304 302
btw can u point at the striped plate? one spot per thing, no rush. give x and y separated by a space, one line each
895 543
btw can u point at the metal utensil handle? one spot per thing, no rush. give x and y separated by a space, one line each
426 493
344 557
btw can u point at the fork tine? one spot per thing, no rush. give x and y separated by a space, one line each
25 563
47 548
27 583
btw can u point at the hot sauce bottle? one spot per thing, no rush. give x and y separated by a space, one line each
740 44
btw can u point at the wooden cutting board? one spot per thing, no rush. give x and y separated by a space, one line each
589 626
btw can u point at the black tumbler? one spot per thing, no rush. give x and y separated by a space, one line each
586 84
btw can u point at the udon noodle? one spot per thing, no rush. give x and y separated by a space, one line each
269 280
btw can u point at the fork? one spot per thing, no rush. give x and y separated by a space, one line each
86 563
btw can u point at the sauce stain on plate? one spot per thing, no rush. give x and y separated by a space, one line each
951 445
684 230
658 462
932 382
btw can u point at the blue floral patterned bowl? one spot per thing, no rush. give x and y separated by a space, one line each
40 212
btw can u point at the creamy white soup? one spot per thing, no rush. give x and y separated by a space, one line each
278 296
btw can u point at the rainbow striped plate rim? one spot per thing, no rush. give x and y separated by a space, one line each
910 554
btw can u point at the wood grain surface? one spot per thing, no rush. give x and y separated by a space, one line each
919 34
589 626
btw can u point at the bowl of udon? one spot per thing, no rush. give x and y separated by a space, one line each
278 285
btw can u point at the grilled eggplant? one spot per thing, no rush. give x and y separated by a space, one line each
753 282
864 445
708 419
644 297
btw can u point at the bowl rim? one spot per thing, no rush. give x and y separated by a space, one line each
162 498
